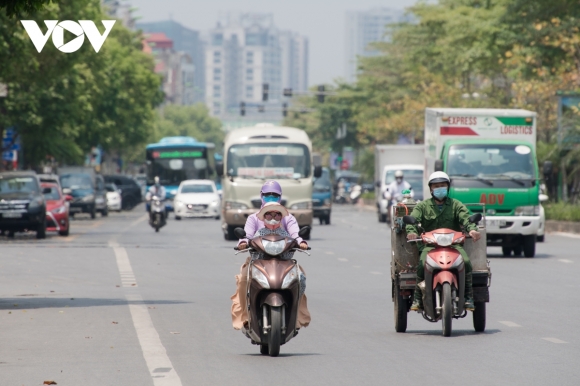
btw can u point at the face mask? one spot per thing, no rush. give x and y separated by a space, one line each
272 222
440 193
271 199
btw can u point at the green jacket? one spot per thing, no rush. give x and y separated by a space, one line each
454 215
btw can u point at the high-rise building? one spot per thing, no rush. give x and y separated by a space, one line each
362 29
188 41
246 51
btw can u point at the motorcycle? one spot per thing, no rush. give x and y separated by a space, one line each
157 213
355 194
444 285
275 287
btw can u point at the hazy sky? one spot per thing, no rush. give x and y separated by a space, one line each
322 21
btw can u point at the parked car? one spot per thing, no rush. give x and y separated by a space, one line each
22 205
57 206
197 198
130 190
114 200
87 189
322 197
142 181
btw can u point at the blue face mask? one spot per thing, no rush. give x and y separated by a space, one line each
271 199
440 193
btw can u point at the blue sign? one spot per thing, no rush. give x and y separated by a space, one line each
9 132
9 156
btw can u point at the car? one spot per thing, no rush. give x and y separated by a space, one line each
130 190
114 200
87 189
22 205
57 209
142 181
197 198
322 197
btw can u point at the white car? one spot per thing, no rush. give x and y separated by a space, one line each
197 198
114 199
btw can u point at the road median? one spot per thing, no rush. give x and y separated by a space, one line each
563 226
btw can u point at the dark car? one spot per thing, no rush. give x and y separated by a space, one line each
22 205
88 192
130 190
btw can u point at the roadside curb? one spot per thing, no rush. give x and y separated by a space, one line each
553 226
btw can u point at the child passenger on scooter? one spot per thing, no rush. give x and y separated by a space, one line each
271 216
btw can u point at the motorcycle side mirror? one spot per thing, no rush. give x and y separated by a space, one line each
317 171
240 233
438 165
305 231
378 184
219 168
409 220
474 219
547 168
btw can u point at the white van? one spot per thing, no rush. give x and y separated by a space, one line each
253 155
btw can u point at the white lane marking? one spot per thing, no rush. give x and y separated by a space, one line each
329 253
159 365
564 234
554 340
376 273
142 218
342 259
510 324
565 261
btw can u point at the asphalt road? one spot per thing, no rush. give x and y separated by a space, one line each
117 304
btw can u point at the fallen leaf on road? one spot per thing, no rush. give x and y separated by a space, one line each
151 308
133 284
115 322
9 312
51 291
50 383
117 286
174 332
88 337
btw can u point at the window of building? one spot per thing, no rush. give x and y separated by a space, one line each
250 58
217 57
249 92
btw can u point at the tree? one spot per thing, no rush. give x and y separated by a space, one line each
14 7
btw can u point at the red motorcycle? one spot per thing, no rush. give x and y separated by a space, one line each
444 286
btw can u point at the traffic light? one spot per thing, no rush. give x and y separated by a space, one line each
261 109
288 92
285 109
320 96
242 108
265 91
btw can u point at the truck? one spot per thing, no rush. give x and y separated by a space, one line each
389 159
253 155
490 157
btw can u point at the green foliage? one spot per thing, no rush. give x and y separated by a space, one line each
14 7
365 165
193 121
562 212
63 104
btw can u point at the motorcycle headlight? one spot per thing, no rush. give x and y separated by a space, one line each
157 202
59 210
290 277
258 276
531 210
302 205
35 204
443 239
235 205
274 248
88 198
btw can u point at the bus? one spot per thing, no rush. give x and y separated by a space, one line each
176 159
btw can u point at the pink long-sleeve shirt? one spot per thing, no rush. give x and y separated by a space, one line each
254 224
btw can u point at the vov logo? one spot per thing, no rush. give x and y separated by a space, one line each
80 29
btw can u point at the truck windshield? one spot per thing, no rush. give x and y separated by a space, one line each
18 185
268 160
491 161
322 184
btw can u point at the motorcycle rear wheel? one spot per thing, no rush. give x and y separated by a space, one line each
275 333
447 309
479 317
400 311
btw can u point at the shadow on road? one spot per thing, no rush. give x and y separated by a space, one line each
30 303
454 334
284 355
501 256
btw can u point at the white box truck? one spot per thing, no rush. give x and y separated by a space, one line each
389 159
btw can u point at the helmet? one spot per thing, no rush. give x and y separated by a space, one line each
439 177
399 174
271 187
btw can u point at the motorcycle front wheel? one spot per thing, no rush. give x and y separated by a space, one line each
275 334
447 309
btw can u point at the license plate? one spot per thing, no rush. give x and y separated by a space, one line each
197 208
12 215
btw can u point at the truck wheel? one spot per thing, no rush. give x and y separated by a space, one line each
400 311
541 239
93 213
507 252
447 309
327 220
479 317
105 212
530 246
41 231
517 250
382 217
275 335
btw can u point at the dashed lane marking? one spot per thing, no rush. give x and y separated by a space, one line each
565 261
376 273
554 340
158 363
329 253
342 259
510 324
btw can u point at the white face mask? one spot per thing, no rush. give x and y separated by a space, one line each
272 222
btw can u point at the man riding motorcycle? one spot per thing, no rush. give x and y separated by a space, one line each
395 189
276 217
439 212
156 190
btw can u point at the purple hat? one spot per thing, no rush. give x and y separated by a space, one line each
271 187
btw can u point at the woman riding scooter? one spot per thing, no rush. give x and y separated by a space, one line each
276 216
